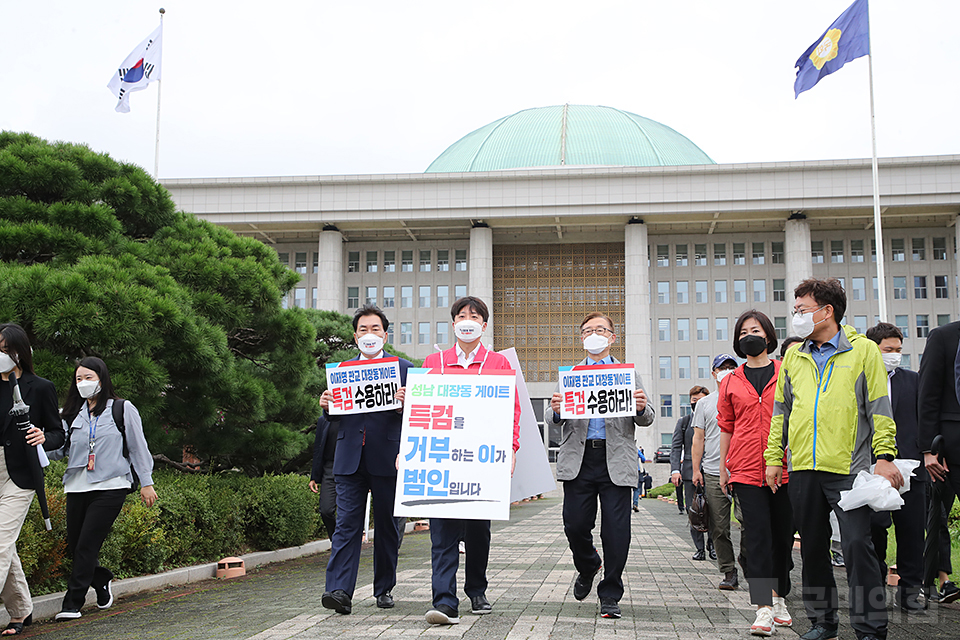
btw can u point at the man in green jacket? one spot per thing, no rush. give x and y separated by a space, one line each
831 410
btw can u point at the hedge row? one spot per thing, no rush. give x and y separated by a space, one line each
197 519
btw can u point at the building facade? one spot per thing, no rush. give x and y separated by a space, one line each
672 253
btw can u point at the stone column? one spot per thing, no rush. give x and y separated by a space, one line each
797 247
636 330
480 270
330 270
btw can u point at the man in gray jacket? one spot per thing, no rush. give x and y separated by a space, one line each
598 459
681 466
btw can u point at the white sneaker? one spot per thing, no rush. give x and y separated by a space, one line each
781 617
763 625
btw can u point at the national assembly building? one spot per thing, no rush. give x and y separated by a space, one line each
553 212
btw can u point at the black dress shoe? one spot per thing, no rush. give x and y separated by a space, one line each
337 600
909 602
479 605
385 601
584 584
730 581
609 608
699 555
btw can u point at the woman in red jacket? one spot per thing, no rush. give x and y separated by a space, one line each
744 410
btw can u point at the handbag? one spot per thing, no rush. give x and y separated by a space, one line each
698 511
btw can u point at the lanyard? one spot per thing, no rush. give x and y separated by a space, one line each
93 429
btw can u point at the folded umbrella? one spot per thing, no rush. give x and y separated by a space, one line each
21 417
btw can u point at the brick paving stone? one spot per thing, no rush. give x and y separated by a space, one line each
667 595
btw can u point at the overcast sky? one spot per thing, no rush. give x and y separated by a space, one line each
294 87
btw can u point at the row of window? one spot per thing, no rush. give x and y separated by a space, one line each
758 252
858 290
722 327
388 300
388 262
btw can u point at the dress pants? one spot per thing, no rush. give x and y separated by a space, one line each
814 494
909 522
90 517
766 541
445 537
580 517
689 491
14 505
328 499
344 561
719 505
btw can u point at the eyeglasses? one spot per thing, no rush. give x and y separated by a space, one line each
603 331
801 311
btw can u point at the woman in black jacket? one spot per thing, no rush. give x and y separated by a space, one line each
16 478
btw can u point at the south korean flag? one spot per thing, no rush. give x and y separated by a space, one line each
139 69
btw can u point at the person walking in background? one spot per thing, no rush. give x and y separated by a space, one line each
831 407
706 473
322 479
367 448
470 316
17 485
638 491
597 462
105 446
909 519
744 410
681 465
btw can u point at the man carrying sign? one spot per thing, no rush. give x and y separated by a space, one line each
598 459
469 315
367 448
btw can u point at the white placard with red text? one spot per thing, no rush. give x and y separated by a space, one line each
363 386
456 445
597 391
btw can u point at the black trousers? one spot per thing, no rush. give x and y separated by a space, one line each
680 503
936 546
814 494
445 537
328 499
580 517
909 521
90 516
766 541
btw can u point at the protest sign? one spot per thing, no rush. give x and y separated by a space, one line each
456 445
363 386
597 391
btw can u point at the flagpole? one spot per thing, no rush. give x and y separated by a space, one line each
156 151
877 231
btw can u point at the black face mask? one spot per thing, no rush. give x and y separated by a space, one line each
753 345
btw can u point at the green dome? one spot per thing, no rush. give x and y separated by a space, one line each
570 135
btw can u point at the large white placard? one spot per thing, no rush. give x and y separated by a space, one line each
456 445
597 391
363 386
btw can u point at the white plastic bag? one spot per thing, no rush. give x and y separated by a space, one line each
876 491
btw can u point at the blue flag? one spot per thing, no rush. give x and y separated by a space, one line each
846 39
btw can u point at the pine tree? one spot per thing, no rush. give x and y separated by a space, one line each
95 260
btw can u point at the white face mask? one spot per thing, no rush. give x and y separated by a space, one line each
723 374
803 324
892 360
468 330
7 364
88 388
595 343
370 344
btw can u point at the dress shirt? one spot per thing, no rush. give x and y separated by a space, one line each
822 353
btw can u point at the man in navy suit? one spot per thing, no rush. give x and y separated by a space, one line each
367 448
903 386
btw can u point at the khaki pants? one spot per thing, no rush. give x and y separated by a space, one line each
14 504
719 522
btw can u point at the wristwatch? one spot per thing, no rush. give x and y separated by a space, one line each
885 456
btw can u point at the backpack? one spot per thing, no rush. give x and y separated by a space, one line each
698 511
117 411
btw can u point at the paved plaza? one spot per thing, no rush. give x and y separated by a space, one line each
668 595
